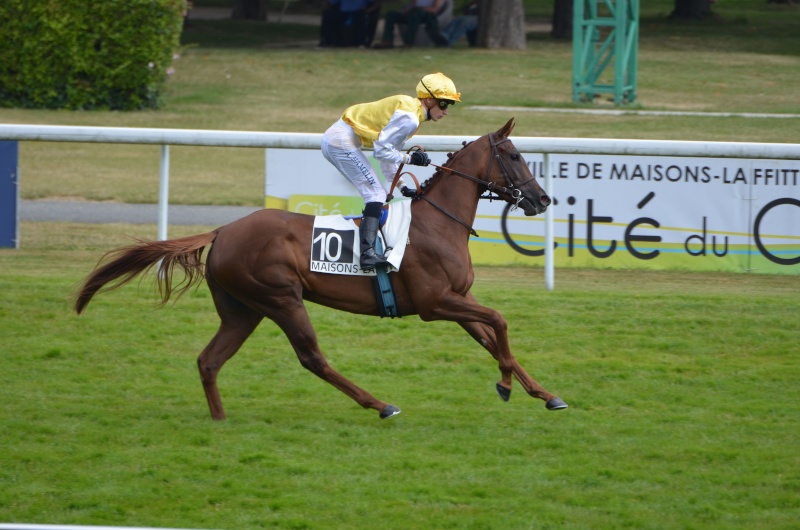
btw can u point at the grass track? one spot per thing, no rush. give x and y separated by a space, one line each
682 387
682 391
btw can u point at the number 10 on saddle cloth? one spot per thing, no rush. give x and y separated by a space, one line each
335 248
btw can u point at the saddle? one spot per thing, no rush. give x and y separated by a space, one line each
382 221
334 247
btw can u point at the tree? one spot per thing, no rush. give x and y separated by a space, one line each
114 55
502 24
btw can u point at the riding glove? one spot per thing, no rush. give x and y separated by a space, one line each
419 158
408 192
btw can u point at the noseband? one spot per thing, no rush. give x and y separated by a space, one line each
512 190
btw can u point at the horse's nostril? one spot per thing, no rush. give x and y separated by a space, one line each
545 200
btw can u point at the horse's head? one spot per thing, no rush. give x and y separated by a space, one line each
509 175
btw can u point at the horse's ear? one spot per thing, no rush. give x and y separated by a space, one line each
505 130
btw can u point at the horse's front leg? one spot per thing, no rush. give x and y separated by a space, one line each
486 338
465 309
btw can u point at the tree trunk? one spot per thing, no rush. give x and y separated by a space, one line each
691 9
502 24
562 19
250 9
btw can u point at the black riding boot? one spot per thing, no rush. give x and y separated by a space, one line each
368 232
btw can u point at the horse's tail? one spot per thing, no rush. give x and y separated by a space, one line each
122 265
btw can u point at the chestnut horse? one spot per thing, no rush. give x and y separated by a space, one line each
258 266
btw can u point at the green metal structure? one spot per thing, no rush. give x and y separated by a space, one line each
605 32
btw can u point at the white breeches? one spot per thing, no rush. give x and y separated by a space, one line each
342 148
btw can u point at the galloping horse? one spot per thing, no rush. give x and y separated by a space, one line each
259 266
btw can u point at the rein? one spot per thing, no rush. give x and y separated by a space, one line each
492 187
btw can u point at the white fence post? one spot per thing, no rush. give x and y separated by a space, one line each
549 237
163 193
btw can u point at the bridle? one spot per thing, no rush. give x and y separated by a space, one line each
513 190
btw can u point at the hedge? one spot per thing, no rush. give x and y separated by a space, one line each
74 54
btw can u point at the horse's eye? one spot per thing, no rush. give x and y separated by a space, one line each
515 157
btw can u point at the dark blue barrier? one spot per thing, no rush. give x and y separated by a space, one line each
9 232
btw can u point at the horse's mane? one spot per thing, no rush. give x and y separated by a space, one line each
438 173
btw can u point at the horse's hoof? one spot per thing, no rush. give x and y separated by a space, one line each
556 404
503 392
389 411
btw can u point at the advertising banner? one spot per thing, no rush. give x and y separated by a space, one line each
610 211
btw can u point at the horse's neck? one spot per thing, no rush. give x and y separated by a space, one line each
457 195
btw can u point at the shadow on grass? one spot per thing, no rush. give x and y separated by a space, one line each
247 34
769 31
755 32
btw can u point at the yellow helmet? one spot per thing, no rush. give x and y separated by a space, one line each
437 86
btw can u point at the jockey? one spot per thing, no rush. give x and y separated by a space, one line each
384 126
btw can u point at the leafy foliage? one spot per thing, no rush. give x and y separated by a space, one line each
77 55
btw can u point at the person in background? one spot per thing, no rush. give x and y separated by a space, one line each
465 24
384 126
373 15
344 23
414 14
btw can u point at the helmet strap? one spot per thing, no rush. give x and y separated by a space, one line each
427 107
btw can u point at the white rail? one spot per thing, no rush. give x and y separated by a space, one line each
17 526
547 146
61 133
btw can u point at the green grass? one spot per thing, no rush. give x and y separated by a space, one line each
682 390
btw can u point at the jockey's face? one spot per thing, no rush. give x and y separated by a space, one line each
435 110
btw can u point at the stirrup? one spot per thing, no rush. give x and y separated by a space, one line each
371 260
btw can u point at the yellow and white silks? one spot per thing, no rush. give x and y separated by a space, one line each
385 125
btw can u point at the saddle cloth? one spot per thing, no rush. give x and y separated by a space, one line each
335 247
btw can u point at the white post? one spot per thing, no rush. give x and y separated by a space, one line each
549 247
163 193
266 169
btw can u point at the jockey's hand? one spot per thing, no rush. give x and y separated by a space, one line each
409 192
419 158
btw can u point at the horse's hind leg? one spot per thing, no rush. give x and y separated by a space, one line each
486 337
294 322
237 323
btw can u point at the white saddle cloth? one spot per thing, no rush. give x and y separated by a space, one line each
335 248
